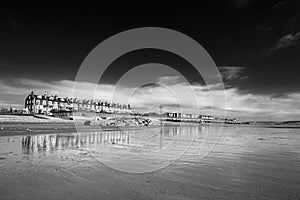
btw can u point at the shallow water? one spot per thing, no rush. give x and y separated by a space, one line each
189 162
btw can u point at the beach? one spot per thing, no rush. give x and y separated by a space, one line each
246 163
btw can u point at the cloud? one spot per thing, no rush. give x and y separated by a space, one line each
169 79
246 106
15 90
7 104
285 41
230 73
263 107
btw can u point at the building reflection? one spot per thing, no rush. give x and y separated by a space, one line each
47 143
182 131
38 143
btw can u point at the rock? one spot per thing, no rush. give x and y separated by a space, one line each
98 118
87 123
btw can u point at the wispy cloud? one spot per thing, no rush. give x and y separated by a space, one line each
7 104
61 88
285 41
230 73
169 79
240 105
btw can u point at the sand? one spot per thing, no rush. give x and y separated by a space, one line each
247 163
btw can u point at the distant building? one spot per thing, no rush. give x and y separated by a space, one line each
44 104
3 110
207 117
182 115
174 114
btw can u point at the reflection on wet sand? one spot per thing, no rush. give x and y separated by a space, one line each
50 142
38 143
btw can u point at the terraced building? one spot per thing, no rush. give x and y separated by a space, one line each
44 104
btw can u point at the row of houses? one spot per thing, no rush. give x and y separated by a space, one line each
189 116
44 104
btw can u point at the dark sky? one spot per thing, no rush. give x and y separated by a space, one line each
49 41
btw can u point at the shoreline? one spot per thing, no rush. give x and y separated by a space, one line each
14 129
23 128
29 125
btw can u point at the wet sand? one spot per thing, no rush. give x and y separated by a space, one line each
246 163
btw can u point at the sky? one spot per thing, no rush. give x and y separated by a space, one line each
254 44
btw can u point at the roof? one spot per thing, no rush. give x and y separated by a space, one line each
75 100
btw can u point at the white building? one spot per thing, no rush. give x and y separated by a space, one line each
44 104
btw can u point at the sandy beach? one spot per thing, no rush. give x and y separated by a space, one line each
246 163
